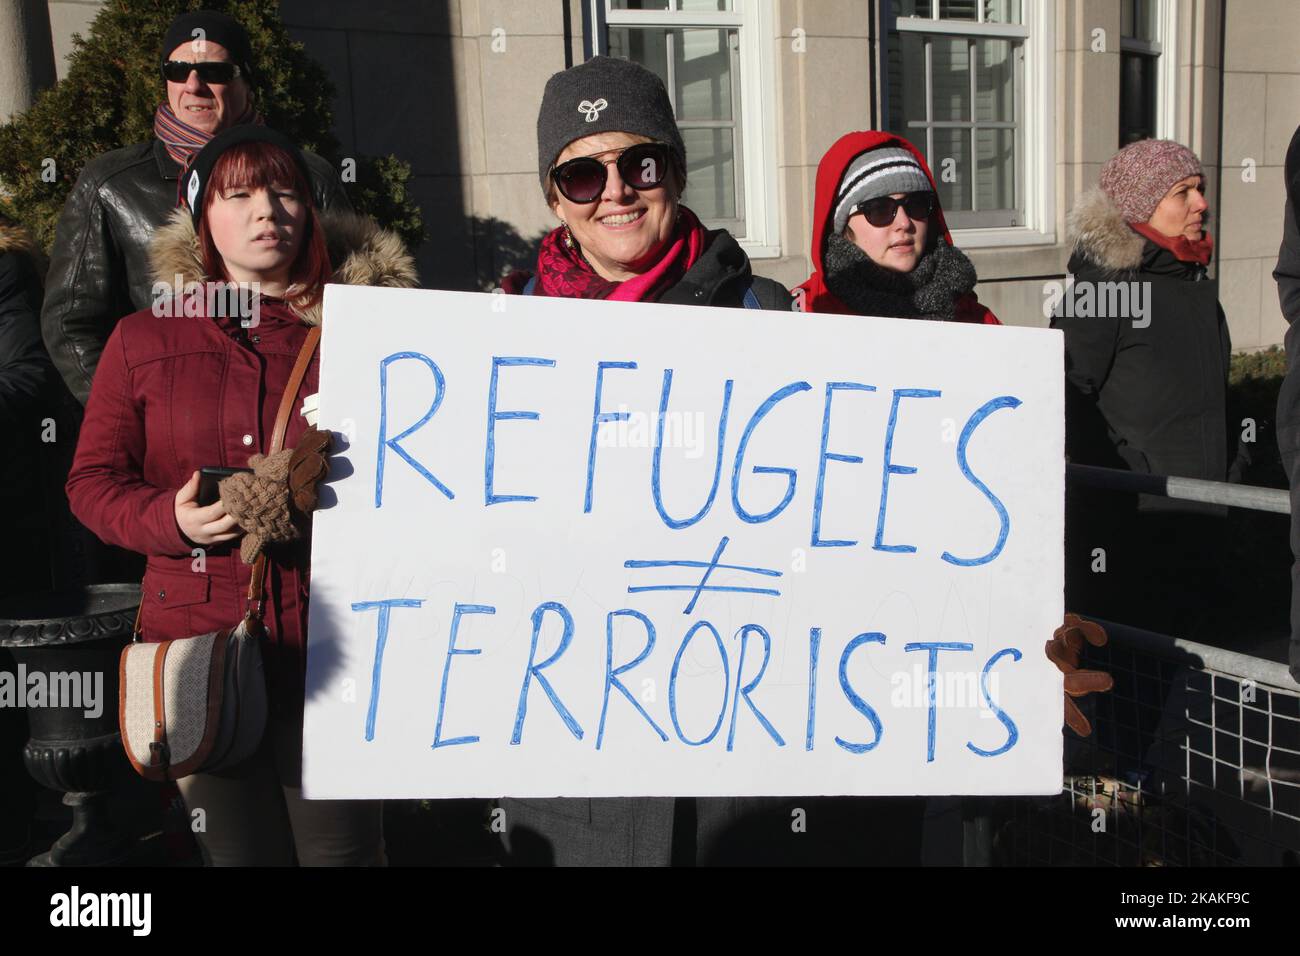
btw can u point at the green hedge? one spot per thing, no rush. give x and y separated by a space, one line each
113 85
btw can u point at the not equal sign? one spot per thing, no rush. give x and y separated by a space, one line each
703 585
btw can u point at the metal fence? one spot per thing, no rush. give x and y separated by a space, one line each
1194 759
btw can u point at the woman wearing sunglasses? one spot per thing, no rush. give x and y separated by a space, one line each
882 248
613 166
880 244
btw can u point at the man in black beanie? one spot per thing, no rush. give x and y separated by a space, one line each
99 266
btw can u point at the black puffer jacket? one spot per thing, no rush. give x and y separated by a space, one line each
719 277
1144 392
99 267
32 417
26 375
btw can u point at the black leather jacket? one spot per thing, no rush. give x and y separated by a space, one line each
99 267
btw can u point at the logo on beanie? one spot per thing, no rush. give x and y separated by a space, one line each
192 190
592 110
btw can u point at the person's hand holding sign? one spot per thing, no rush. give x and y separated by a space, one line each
1063 651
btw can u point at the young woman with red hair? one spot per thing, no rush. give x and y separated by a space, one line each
185 385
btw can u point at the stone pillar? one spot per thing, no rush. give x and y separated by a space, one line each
28 64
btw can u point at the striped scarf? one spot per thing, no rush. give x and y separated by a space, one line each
182 140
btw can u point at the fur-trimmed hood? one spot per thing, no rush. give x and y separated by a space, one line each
366 253
16 239
1099 233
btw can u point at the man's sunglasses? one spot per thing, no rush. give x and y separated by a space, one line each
642 166
880 212
210 71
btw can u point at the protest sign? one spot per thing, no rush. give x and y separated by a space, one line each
581 548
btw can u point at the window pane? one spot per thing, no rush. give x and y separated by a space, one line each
702 74
995 81
645 46
1001 11
700 81
950 61
1138 19
696 67
958 9
638 4
913 8
1146 19
995 174
1137 97
951 161
906 82
711 185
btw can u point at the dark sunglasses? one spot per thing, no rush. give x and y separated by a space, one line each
880 212
210 71
642 166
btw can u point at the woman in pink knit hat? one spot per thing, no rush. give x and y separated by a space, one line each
1147 350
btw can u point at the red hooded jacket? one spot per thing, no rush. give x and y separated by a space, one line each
816 296
171 395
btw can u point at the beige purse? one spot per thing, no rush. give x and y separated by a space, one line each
198 704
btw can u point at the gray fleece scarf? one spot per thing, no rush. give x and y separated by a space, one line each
929 291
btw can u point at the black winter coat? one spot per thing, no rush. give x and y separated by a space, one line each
31 403
1149 392
99 266
1287 275
26 375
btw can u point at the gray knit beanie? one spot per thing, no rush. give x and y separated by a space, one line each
1139 175
877 172
604 95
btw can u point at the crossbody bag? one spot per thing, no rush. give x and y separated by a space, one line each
198 704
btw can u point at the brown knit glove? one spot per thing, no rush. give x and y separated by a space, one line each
1063 651
259 503
307 469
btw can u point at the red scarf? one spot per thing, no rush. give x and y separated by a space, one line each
1184 249
564 273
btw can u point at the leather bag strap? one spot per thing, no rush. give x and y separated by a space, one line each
258 579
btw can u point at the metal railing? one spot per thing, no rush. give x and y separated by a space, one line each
1194 757
1275 500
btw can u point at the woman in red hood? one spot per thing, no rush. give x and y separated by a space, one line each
881 247
880 244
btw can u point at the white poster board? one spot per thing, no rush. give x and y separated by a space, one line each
526 581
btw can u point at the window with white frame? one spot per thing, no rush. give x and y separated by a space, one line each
1147 65
969 83
719 77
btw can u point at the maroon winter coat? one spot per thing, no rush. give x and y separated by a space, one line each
172 395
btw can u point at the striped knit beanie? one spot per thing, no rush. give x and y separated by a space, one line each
1137 177
876 173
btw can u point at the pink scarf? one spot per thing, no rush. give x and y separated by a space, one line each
564 273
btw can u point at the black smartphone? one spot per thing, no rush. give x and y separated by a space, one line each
208 479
